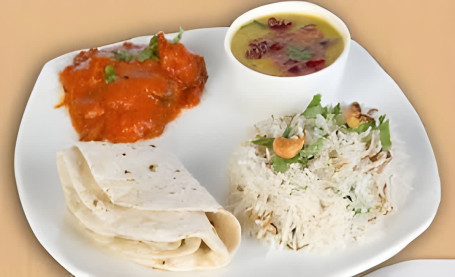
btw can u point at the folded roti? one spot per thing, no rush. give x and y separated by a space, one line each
140 201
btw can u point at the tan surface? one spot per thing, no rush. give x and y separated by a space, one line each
412 39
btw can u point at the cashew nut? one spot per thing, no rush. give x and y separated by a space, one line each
287 148
354 116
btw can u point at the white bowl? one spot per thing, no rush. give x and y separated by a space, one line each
266 94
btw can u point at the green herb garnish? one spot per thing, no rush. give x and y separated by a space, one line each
268 142
384 135
255 22
333 110
262 25
312 149
384 131
279 164
364 126
308 152
282 165
109 74
314 108
123 55
299 54
149 52
179 36
348 197
287 132
359 211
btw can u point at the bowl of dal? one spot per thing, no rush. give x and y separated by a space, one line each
288 51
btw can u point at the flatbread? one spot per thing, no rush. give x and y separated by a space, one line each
140 201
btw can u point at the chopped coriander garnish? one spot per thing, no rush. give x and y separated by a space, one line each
314 108
299 54
123 55
364 126
179 36
348 197
262 25
282 165
312 149
255 22
279 164
287 131
149 52
109 74
384 131
309 151
334 110
359 211
268 142
384 135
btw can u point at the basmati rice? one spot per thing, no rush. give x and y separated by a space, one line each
330 201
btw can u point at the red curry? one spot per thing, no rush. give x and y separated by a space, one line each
140 99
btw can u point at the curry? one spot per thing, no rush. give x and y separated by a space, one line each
131 92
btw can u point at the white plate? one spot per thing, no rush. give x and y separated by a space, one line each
417 268
203 138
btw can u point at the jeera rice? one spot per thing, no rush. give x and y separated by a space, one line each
330 193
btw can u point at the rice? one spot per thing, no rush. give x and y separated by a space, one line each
325 202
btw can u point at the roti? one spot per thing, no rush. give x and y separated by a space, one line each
140 201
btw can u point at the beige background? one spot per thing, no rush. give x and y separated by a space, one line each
413 40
